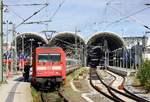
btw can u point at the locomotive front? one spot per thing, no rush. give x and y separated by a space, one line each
49 66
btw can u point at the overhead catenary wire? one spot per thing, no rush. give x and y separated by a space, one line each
38 22
25 4
104 21
49 20
14 12
58 8
70 44
133 18
55 12
117 21
31 16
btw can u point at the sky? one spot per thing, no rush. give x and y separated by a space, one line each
124 17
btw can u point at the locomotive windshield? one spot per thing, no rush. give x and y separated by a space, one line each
55 57
43 57
49 57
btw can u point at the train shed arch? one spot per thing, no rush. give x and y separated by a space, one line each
24 41
72 43
100 43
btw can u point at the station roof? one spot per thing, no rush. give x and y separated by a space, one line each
27 37
64 39
114 41
69 41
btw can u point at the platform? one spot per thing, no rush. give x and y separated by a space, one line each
120 70
15 90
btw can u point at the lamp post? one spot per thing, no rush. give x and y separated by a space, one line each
23 36
7 52
31 40
120 61
130 59
115 59
15 48
76 43
123 57
1 41
126 59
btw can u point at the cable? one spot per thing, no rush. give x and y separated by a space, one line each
31 16
127 17
70 45
25 5
38 22
101 22
46 4
134 18
65 42
58 8
15 13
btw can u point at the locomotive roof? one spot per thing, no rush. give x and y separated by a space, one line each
49 47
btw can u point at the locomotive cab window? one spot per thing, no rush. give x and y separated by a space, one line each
43 57
55 57
49 57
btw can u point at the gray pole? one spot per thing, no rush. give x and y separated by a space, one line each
7 50
23 50
108 58
115 59
126 58
15 48
123 57
75 43
31 51
75 49
105 60
120 62
135 57
31 54
1 40
85 55
130 59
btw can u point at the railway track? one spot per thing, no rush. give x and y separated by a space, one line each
116 87
117 94
103 90
124 91
62 96
56 96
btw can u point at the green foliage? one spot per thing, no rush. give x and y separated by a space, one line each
35 95
144 74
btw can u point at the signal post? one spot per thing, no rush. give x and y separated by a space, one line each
1 41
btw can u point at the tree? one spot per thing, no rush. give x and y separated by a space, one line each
144 74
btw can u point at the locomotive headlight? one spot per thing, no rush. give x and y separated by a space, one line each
41 68
56 67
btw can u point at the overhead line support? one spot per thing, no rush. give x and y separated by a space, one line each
1 41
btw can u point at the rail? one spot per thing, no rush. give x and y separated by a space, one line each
128 93
92 71
48 97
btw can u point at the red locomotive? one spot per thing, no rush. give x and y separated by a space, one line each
49 66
